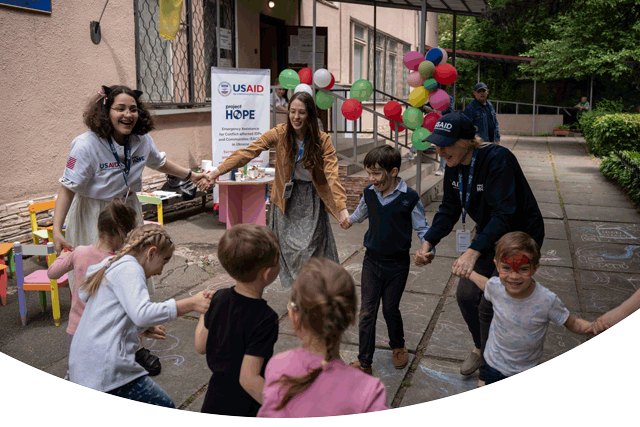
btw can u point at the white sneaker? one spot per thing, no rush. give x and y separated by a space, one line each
409 155
440 172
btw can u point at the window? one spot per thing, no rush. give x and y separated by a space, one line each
178 72
359 45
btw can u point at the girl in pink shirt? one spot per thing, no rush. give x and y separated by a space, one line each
114 222
312 380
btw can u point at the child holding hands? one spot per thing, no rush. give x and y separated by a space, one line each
312 381
522 308
239 330
115 221
393 210
102 355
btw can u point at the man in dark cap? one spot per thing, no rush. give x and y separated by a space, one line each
483 115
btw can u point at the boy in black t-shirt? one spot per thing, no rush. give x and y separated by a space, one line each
239 330
394 210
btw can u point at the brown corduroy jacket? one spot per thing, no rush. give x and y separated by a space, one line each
325 178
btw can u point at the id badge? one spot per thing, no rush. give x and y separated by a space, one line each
288 189
463 240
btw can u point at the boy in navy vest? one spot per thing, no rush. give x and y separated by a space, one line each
393 210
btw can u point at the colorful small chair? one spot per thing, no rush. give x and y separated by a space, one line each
152 200
38 280
3 283
6 258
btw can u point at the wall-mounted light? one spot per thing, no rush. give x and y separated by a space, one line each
94 26
271 5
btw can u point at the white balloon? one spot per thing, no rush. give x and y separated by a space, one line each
322 78
444 56
302 87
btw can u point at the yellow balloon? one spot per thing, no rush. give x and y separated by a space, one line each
418 96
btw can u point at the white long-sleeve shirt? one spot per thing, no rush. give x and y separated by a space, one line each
102 355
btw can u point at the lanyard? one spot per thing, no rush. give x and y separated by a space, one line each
298 158
124 168
465 206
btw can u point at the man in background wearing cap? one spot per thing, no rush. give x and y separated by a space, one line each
483 115
486 182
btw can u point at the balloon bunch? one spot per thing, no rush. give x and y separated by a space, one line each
302 81
426 72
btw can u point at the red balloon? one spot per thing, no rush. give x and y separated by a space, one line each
393 111
333 81
430 121
392 125
445 74
351 109
306 76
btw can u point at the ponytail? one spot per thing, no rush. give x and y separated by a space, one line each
137 241
325 297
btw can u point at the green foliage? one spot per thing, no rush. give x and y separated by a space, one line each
544 134
620 169
605 133
609 106
567 126
596 37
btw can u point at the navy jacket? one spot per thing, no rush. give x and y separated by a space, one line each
501 201
477 113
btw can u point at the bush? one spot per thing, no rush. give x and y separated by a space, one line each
567 126
609 106
606 133
623 168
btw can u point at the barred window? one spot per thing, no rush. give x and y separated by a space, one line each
388 64
177 73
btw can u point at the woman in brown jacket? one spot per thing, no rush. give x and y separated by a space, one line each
303 195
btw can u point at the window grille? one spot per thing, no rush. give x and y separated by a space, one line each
177 73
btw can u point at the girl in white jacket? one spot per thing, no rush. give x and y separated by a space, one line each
102 355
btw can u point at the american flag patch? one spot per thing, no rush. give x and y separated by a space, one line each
71 163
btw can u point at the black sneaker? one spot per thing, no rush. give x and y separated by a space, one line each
148 361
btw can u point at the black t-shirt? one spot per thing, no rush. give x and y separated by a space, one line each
237 325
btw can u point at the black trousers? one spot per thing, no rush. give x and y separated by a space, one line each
476 310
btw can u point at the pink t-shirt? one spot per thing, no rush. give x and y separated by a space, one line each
78 261
339 390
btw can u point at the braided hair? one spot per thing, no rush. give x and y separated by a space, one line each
324 295
138 240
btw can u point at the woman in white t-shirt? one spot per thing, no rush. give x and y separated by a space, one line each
107 162
278 101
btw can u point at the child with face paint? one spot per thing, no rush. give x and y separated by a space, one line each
522 309
393 210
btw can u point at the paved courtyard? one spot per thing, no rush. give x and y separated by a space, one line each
590 258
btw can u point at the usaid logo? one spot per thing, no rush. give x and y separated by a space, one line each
224 89
443 126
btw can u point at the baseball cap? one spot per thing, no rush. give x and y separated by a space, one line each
479 86
450 128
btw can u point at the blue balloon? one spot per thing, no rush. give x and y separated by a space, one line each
435 55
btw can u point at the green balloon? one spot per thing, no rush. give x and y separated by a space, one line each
426 69
417 139
289 79
412 117
361 90
323 100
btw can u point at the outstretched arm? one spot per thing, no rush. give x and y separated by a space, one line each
250 379
577 326
478 279
612 317
63 202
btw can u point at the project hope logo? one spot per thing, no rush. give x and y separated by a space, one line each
226 89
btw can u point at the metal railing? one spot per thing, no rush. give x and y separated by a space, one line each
498 103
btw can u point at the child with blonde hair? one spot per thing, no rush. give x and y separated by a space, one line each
239 330
522 309
115 221
312 380
102 355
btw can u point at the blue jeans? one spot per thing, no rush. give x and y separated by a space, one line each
383 279
492 375
145 390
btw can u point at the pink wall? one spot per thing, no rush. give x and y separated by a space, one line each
49 69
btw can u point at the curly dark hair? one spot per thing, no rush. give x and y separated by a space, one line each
312 155
96 114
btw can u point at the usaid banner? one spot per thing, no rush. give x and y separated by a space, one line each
239 111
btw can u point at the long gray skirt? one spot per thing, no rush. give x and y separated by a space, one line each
304 231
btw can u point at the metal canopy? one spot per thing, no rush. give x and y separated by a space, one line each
459 7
